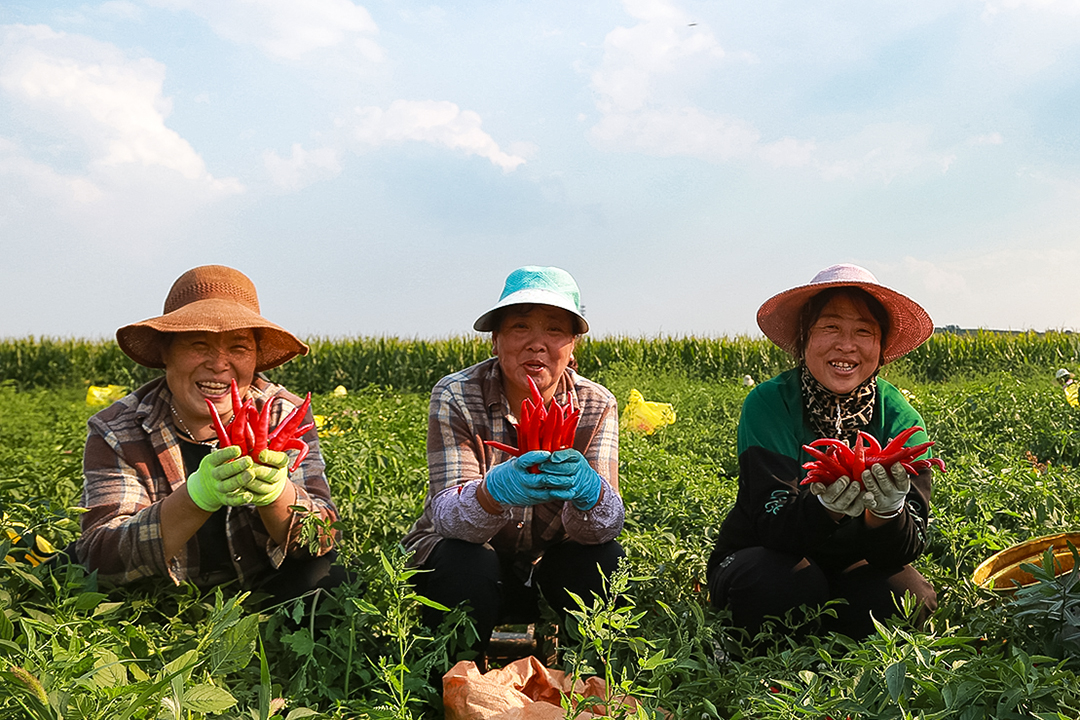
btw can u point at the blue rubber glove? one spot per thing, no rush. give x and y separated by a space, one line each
220 479
511 483
585 482
270 475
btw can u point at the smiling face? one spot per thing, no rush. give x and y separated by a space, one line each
201 365
533 341
843 348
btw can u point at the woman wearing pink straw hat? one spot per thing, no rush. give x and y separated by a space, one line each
784 545
499 531
162 498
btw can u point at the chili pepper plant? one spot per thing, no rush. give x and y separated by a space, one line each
72 647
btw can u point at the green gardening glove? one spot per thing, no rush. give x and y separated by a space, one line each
220 479
270 475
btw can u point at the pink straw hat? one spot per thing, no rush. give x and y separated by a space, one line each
909 324
210 298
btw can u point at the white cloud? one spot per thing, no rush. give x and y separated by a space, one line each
302 167
987 139
884 151
287 28
650 71
788 152
436 122
1065 7
88 153
35 179
637 59
89 91
1027 284
123 9
683 132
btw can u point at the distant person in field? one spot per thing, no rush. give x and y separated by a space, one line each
784 545
1068 383
499 531
162 498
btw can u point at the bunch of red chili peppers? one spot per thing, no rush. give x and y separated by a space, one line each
541 428
834 459
250 428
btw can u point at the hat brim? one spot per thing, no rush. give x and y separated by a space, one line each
531 296
143 341
910 324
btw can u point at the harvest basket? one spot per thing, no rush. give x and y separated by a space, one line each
1001 572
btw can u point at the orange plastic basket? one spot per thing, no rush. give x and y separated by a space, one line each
1001 572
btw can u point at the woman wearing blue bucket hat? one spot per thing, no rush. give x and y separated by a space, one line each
499 531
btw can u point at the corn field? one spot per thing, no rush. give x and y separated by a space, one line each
415 365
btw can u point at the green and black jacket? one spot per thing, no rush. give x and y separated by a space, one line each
773 511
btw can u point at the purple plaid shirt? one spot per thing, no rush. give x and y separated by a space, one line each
133 460
469 407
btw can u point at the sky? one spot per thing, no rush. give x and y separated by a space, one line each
378 168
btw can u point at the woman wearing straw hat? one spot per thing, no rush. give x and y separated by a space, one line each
783 545
492 533
162 498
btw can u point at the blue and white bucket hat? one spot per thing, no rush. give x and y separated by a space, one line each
536 285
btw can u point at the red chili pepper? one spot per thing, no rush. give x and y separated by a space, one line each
262 429
250 428
219 427
541 428
286 429
834 459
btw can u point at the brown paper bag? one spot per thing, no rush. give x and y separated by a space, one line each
523 690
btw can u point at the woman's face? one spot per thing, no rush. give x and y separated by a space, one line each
844 345
201 365
533 341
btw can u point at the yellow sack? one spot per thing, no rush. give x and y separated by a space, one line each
97 396
641 415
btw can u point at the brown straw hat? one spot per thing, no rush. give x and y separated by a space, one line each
909 324
210 298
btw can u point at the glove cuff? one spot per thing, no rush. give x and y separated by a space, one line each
889 515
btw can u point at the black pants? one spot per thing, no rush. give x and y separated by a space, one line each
297 576
506 589
756 582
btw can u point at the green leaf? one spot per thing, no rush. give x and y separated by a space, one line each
87 600
895 675
235 647
7 629
106 608
207 699
108 670
430 603
364 606
301 712
182 665
300 641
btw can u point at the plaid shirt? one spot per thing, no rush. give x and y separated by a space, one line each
133 461
468 408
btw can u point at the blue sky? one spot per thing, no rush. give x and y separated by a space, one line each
379 168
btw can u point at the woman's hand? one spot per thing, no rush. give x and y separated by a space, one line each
889 488
221 480
511 483
585 482
270 475
843 497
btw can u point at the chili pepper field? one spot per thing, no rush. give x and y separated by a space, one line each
71 648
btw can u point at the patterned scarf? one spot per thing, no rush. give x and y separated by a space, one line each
838 416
